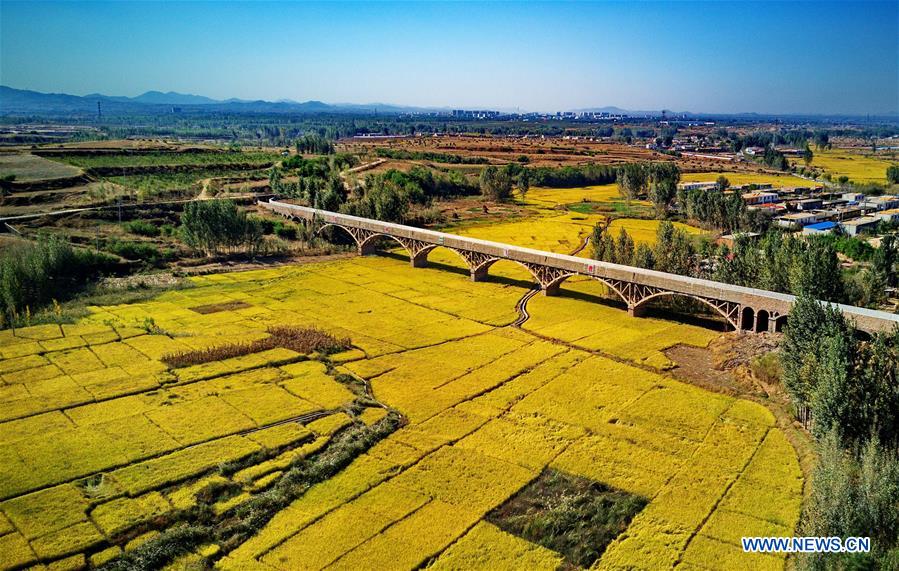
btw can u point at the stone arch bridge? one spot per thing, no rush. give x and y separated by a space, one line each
744 308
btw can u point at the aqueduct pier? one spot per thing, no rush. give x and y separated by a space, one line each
745 308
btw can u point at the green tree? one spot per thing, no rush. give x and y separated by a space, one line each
885 259
674 251
833 396
775 159
598 242
855 492
663 179
33 274
809 323
893 174
624 248
742 265
822 140
867 288
332 195
807 155
816 272
314 143
632 180
643 257
721 183
524 182
214 226
274 180
496 184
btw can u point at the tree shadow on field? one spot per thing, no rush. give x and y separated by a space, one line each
615 302
687 312
695 314
403 257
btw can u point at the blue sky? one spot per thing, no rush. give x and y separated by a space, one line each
769 57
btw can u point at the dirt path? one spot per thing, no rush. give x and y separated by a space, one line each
204 189
580 248
522 306
366 166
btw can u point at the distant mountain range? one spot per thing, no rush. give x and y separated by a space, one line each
23 101
160 98
26 102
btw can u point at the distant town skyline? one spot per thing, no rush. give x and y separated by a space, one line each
721 57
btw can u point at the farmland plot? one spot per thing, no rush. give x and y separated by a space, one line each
107 451
858 165
741 178
30 168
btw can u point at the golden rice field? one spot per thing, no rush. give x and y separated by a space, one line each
103 445
741 178
551 197
858 166
564 233
644 231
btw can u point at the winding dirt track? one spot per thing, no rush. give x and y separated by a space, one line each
522 306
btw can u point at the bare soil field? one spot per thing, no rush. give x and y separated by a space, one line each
548 152
540 152
29 168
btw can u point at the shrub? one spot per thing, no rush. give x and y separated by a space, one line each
767 367
268 225
142 228
33 274
285 231
140 251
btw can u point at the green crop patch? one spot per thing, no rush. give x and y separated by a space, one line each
571 515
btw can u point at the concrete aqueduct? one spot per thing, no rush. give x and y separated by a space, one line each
747 309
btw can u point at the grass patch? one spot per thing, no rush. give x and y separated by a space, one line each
299 339
573 516
583 207
30 168
34 274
